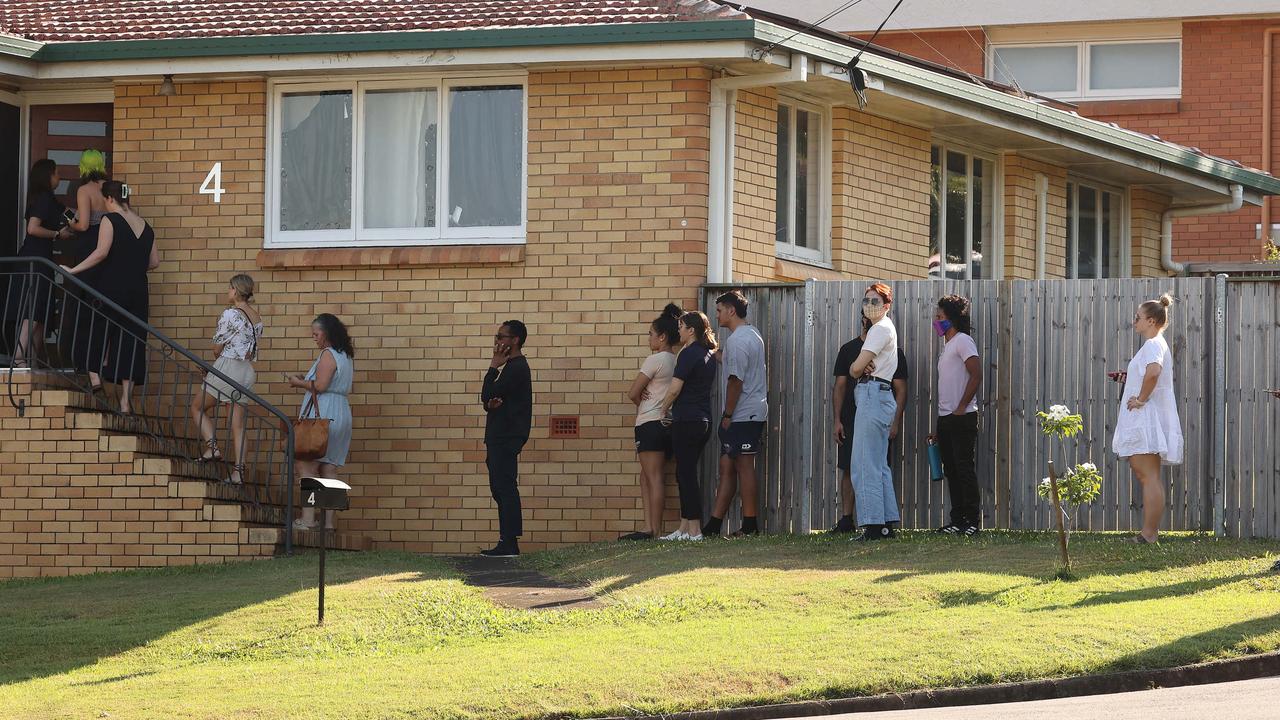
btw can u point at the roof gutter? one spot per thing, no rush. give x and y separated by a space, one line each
1058 121
168 49
1166 225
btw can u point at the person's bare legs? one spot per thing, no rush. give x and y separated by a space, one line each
202 406
307 468
30 340
126 396
331 472
726 488
1147 468
652 493
745 468
237 440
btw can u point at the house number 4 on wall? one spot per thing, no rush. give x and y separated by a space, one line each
212 184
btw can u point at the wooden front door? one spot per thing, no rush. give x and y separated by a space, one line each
62 132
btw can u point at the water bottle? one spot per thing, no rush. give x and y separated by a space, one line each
935 461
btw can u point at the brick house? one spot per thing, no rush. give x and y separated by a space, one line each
1202 75
427 170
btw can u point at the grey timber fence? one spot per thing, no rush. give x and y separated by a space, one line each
1041 343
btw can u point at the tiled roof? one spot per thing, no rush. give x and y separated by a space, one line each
90 20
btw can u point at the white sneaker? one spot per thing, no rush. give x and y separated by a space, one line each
693 538
677 535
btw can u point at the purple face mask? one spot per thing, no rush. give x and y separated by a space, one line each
941 327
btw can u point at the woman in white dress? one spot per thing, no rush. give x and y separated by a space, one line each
1148 431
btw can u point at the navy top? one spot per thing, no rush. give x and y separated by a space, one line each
848 354
696 368
50 213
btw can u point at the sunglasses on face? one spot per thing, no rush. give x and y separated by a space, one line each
500 337
873 302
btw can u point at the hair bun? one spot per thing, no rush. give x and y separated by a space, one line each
1166 299
673 310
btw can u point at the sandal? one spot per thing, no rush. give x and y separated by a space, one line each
237 474
1140 539
213 454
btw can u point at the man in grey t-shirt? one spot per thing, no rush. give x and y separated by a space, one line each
746 409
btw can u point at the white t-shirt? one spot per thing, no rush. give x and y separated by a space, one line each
659 367
882 341
953 376
744 358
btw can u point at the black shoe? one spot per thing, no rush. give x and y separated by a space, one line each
636 536
969 530
872 533
504 549
844 525
949 529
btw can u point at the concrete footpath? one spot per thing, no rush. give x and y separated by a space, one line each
1253 699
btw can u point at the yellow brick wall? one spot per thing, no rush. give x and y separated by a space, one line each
618 163
880 188
755 188
1020 210
1145 209
76 499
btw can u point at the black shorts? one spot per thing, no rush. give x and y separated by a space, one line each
741 438
653 436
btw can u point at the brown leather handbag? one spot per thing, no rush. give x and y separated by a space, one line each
310 434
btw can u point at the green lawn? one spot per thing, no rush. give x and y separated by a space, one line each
686 626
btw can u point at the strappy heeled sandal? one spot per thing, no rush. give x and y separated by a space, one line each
237 474
213 454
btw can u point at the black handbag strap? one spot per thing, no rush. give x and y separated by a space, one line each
253 335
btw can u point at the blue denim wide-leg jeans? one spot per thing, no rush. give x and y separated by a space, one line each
877 503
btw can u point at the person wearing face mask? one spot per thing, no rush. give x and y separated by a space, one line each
877 503
959 377
1148 431
845 410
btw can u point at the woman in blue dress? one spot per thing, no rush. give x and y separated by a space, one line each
329 382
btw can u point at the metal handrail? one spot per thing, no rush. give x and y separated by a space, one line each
168 347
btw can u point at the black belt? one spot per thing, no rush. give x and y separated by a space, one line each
872 378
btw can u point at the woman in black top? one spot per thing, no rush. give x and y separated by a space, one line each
126 252
28 300
689 402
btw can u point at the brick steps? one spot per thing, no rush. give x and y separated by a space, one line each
84 489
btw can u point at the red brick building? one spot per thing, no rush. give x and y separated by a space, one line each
1222 99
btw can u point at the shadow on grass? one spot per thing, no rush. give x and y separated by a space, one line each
55 625
1200 646
1028 555
1159 592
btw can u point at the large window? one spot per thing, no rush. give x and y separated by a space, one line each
1092 70
378 163
961 211
803 178
1095 232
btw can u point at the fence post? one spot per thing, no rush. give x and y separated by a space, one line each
1219 405
808 416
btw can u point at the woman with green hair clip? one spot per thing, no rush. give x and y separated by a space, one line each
78 321
90 206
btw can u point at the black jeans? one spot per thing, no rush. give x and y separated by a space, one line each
688 437
501 457
958 445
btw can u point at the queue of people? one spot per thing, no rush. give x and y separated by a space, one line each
869 395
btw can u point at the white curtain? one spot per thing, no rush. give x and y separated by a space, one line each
486 156
400 159
315 161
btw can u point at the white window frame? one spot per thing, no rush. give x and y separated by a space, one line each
356 235
1083 68
1125 262
993 258
788 250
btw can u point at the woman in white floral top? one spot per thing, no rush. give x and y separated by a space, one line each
236 342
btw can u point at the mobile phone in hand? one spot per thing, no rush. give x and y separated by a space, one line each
1115 376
